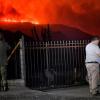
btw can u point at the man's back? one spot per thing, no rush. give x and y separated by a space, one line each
92 51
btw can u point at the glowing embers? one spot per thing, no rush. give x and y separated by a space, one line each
18 21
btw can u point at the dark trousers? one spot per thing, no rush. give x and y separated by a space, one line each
3 76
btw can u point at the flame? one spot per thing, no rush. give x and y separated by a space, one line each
18 21
82 14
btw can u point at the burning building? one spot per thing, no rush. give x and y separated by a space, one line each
44 21
82 14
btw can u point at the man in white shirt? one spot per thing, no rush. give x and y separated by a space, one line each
92 64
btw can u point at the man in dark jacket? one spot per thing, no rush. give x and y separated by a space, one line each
3 63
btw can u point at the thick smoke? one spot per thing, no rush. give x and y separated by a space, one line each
83 14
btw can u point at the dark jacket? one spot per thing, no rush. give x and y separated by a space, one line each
3 52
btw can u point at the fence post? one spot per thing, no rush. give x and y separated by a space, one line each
22 61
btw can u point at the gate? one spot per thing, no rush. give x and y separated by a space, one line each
55 64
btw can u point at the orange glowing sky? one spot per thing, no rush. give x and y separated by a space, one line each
82 14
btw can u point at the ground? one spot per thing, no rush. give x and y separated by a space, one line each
71 93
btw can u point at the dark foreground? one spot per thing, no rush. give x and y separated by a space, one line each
72 93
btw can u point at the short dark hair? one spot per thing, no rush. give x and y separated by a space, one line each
95 38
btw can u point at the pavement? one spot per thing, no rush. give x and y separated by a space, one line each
70 93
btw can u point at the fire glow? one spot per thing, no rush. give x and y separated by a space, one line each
18 21
82 14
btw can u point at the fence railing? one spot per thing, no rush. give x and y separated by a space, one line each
54 64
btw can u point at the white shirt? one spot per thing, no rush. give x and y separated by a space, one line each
92 52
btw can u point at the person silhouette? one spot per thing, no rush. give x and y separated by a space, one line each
3 63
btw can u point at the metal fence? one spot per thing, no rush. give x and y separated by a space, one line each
55 64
